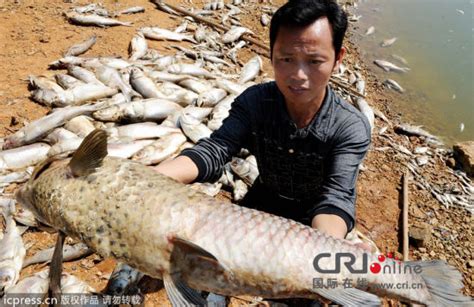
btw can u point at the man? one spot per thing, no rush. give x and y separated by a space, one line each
308 142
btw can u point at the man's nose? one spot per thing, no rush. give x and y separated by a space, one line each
300 72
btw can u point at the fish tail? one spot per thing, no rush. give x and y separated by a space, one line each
444 283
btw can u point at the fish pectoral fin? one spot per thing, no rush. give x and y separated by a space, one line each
349 296
180 294
90 153
194 255
56 267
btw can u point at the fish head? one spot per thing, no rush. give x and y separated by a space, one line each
31 195
8 278
14 140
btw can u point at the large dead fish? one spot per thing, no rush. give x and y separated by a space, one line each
201 243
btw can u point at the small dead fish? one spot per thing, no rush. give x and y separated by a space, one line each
64 147
59 134
73 285
189 69
214 5
12 254
240 190
112 78
193 128
197 86
230 86
251 69
365 109
152 109
182 27
360 86
370 31
400 58
389 42
265 20
70 253
387 66
143 85
24 156
42 126
138 47
220 112
414 130
383 130
83 74
145 130
234 34
92 8
95 20
197 112
421 150
246 169
39 82
122 279
211 189
73 96
461 127
37 283
82 47
25 217
157 33
67 81
211 98
422 160
161 149
80 125
175 93
131 10
126 150
162 76
392 84
16 177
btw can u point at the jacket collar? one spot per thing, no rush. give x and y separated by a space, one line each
319 125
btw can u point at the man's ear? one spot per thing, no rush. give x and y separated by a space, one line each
339 58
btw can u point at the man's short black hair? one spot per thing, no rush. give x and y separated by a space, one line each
301 13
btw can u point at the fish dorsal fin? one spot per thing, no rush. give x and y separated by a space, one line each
90 153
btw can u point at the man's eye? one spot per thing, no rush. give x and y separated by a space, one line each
286 60
315 61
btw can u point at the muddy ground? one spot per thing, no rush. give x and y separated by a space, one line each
35 33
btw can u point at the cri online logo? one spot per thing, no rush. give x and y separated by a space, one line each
384 266
375 267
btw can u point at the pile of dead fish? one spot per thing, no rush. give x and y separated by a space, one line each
151 105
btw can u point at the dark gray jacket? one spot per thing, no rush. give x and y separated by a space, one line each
316 166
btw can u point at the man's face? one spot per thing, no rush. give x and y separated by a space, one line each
303 60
